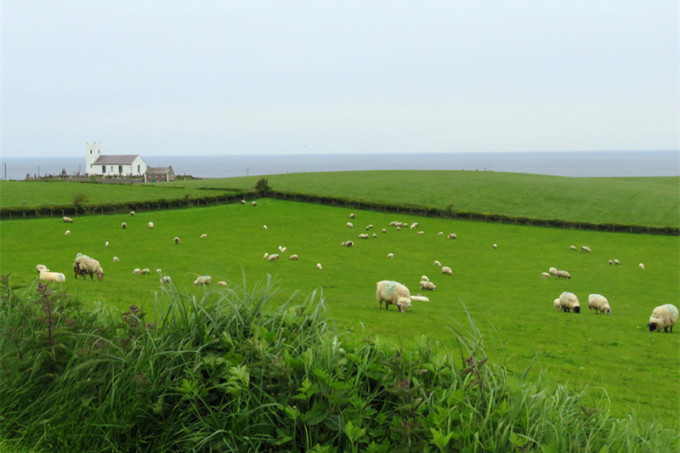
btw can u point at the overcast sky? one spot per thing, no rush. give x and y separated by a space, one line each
294 77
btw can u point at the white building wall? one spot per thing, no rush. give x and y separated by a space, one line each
93 151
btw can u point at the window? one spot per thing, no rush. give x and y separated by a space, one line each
120 169
103 168
139 170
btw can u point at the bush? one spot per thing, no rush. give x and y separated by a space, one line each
262 186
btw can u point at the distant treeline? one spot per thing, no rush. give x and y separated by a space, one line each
10 213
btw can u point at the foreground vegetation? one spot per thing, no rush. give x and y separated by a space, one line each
225 372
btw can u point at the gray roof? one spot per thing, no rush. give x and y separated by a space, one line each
123 159
160 170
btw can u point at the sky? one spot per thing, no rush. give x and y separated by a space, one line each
327 77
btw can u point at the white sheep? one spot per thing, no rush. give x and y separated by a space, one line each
352 215
441 233
390 255
421 232
553 271
106 244
392 292
642 266
145 271
159 270
427 285
243 201
611 262
265 227
273 257
363 236
663 317
495 246
350 225
52 276
546 275
599 303
437 263
558 305
318 266
617 262
222 283
414 225
67 233
424 278
116 259
254 203
67 219
132 213
384 230
41 267
293 258
84 265
123 225
447 270
282 249
150 224
452 236
562 274
137 271
569 302
166 279
573 247
585 248
369 227
203 280
266 255
203 236
375 235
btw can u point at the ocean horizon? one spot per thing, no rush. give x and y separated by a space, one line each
565 163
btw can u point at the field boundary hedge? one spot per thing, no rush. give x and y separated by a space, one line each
10 213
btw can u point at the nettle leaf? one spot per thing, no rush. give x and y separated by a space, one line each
317 413
353 432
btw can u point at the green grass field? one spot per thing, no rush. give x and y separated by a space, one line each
501 288
637 201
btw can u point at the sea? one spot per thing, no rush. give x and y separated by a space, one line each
566 163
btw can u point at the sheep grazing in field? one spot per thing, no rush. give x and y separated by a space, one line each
349 225
398 228
425 278
254 203
420 298
611 262
203 280
106 244
421 232
414 225
84 265
585 248
641 265
145 271
293 258
495 246
546 275
123 225
394 293
282 249
369 227
452 236
352 215
553 271
562 274
67 219
363 236
175 240
569 302
441 233
159 270
150 224
52 276
266 255
447 270
243 201
617 262
599 303
222 283
573 247
67 233
203 236
663 317
137 271
265 227
558 305
318 266
347 244
132 213
374 236
116 259
384 230
273 257
166 279
427 285
437 263
390 255
41 267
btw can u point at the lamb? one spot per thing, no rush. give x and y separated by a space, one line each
132 213
266 255
273 257
222 283
282 249
203 236
495 246
52 276
67 219
145 271
203 280
136 271
318 266
84 265
352 215
106 244
558 305
663 317
347 244
293 258
421 232
243 201
369 227
41 267
585 248
617 262
265 227
452 236
375 235
573 247
67 233
384 230
562 274
447 270
569 302
349 225
441 233
611 262
553 271
599 303
390 255
363 236
414 225
642 266
546 275
254 203
166 279
123 225
424 278
427 285
150 224
116 260
437 263
392 293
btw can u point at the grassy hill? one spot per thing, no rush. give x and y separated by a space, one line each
638 201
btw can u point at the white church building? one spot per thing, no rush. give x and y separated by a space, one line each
100 164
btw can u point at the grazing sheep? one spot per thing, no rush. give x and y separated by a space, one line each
420 298
318 266
243 201
159 270
123 225
282 249
106 244
398 228
375 235
292 258
150 224
175 240
222 283
558 305
424 278
447 270
573 247
553 271
41 267
642 266
84 265
363 236
617 262
390 255
273 257
266 255
254 203
599 303
52 276
392 293
663 317
452 236
495 246
369 227
347 244
132 213
569 302
427 285
137 271
437 263
546 275
116 260
352 215
145 271
350 225
166 279
611 262
384 230
562 274
441 233
203 236
414 225
421 232
67 233
265 227
585 248
203 280
67 219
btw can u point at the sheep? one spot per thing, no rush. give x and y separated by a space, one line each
663 317
84 265
41 267
384 230
452 236
159 270
447 270
363 236
318 266
414 225
421 232
374 236
392 292
150 224
350 225
254 203
420 298
352 215
166 279
266 255
203 236
642 266
495 246
437 263
558 305
52 276
243 201
292 258
390 255
424 278
203 280
573 247
116 259
282 249
67 233
569 302
562 274
137 271
123 225
369 227
441 233
553 271
67 219
106 244
599 303
273 257
222 283
347 244
617 262
427 285
145 271
585 248
611 262
265 227
132 213
546 275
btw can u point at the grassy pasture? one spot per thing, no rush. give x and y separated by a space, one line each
501 288
34 194
630 200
